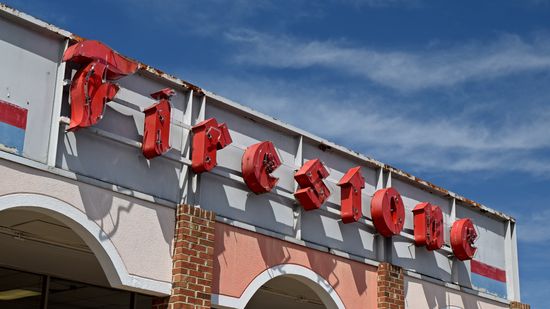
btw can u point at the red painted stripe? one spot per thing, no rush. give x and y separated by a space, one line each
488 271
13 115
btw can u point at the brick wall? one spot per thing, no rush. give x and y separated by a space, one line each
391 287
517 305
193 260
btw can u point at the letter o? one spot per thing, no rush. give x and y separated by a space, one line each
388 212
463 236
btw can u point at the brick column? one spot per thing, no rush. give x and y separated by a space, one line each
192 264
518 305
391 287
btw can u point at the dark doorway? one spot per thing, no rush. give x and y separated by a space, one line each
22 290
285 292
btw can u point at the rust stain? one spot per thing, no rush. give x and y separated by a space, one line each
145 67
428 185
324 147
196 89
22 15
432 188
76 38
9 8
469 201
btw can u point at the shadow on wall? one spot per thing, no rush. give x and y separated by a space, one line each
359 271
325 267
233 200
409 259
440 297
99 158
101 207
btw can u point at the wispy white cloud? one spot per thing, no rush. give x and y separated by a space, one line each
533 227
382 3
399 69
205 17
212 17
451 142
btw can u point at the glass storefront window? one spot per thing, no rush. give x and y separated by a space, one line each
23 290
64 294
19 289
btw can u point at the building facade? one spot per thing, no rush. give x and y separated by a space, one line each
125 187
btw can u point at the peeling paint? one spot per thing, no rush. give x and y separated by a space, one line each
159 73
37 22
8 149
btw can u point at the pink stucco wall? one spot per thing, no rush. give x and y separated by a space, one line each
422 294
241 255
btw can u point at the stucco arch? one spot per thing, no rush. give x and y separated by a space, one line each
316 282
104 250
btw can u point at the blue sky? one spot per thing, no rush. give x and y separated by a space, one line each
457 93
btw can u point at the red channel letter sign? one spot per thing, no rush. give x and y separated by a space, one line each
350 186
463 237
313 192
388 212
258 162
156 132
428 226
208 138
92 86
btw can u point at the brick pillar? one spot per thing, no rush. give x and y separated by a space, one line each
193 260
518 305
391 287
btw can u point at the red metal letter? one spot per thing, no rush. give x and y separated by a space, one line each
428 226
91 87
351 185
463 237
313 192
388 212
259 161
156 133
208 138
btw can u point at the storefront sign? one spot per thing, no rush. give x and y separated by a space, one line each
91 88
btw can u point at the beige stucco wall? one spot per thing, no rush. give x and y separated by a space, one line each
142 232
423 294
